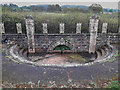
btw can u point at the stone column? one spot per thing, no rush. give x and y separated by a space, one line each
44 27
104 28
93 33
119 30
62 27
78 28
19 28
30 33
2 28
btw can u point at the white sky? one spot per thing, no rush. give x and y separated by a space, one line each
105 3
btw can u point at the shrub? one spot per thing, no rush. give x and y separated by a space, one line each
53 20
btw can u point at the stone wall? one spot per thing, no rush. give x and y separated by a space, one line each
77 42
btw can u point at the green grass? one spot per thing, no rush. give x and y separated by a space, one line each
114 85
76 57
114 57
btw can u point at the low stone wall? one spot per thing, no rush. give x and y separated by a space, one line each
77 42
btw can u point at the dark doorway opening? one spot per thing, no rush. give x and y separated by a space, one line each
61 48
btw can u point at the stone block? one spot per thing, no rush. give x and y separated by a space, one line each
2 28
62 27
78 28
44 28
19 28
104 28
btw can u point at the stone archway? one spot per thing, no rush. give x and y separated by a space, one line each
61 42
61 49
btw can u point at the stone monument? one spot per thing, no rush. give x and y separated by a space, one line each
93 28
30 33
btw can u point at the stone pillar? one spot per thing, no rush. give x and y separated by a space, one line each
62 27
2 28
104 28
78 28
93 33
30 33
119 30
19 28
44 27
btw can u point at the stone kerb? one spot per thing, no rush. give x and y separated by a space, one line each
19 59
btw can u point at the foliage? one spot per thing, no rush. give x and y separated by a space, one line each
114 85
54 19
66 10
77 57
33 8
114 57
96 8
53 8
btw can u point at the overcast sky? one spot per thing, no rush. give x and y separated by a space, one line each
105 4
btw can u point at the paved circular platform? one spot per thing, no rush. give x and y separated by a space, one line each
13 72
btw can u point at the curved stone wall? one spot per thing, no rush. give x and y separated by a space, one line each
109 51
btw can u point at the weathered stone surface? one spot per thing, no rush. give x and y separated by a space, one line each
62 27
119 30
19 28
78 28
76 42
93 33
2 29
44 28
30 34
104 28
